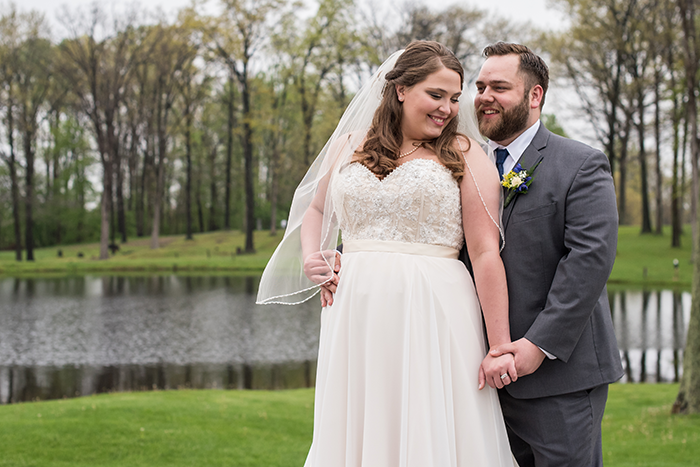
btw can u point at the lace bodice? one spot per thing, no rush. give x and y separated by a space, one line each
419 202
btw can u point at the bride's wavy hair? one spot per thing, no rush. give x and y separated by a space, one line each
384 138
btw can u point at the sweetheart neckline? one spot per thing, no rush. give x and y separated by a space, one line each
381 180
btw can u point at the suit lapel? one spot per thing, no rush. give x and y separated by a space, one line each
531 157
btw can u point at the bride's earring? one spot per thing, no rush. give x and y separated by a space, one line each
399 93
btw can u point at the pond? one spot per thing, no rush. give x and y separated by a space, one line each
67 337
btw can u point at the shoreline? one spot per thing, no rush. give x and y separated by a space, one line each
643 261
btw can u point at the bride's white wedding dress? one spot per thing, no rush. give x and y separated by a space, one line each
401 345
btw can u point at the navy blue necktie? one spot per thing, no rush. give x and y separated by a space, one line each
501 155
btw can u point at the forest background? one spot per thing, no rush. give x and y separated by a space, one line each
136 124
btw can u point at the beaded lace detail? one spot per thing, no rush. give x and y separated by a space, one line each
419 202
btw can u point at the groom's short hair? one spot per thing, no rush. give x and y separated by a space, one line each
531 65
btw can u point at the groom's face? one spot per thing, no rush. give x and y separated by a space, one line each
503 107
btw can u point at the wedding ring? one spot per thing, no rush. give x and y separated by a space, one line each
504 375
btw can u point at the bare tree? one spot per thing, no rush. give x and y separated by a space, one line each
10 31
235 38
97 60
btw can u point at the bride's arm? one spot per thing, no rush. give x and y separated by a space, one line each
481 198
316 261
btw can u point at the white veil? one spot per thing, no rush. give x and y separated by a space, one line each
284 281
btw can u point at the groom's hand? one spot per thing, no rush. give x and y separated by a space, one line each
528 357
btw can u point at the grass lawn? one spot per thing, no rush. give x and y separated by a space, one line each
165 428
268 429
648 259
207 253
638 429
216 252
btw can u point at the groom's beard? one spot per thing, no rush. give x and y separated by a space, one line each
511 122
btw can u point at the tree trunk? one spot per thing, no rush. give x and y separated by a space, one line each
56 192
657 141
274 189
687 12
132 164
121 211
198 198
229 154
646 216
14 184
106 207
29 195
248 165
688 399
188 188
213 225
158 198
622 184
676 193
141 202
80 200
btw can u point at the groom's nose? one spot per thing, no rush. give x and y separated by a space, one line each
486 95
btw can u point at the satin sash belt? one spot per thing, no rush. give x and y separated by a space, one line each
423 249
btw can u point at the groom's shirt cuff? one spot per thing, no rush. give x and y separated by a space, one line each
549 355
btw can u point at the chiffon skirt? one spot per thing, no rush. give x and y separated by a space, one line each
398 364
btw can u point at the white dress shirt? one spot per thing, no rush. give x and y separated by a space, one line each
517 147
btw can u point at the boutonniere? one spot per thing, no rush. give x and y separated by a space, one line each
517 181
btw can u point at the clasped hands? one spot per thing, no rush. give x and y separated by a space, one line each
516 359
316 269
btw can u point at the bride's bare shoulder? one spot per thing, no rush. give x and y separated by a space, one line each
468 147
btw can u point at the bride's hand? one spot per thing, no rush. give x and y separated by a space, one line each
497 372
316 267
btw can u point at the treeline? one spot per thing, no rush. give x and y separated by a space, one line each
134 125
634 66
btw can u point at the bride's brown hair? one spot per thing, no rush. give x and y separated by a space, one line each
384 138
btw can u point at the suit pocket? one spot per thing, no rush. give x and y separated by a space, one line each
535 213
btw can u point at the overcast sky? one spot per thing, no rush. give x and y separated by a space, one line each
539 12
536 11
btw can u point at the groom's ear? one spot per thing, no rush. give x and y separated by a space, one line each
536 96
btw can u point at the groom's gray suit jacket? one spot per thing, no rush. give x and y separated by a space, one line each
560 244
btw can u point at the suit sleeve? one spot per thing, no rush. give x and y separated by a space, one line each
590 244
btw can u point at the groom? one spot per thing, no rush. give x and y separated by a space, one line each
560 243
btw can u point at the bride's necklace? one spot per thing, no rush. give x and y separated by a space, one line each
411 151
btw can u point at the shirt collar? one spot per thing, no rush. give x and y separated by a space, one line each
518 146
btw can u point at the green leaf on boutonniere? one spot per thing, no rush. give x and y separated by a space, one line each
517 181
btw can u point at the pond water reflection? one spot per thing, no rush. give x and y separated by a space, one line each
75 336
64 337
651 329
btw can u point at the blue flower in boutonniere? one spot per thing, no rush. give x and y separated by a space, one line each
517 181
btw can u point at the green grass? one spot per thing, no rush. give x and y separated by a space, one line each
213 253
269 428
651 253
638 429
207 253
171 428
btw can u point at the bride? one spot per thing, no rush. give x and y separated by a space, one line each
402 339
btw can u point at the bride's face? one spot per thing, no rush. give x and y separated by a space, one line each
429 105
